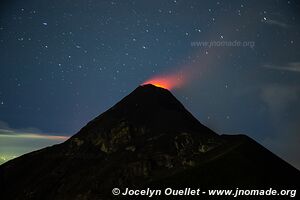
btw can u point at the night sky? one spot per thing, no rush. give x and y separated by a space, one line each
62 63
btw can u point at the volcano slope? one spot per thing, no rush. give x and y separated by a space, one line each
148 139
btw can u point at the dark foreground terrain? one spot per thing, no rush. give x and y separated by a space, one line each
148 139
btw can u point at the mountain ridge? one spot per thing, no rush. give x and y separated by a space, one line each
146 139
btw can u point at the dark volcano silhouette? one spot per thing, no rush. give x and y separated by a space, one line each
148 139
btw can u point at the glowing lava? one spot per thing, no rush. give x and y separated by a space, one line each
168 82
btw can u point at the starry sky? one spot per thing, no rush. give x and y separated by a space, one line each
62 63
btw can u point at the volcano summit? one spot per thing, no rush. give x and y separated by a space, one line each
148 139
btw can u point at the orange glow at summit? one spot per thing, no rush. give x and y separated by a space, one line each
168 82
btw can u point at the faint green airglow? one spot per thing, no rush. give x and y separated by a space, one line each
35 136
14 144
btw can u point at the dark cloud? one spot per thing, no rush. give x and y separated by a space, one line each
280 97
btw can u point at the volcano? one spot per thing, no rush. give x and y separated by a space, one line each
147 140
